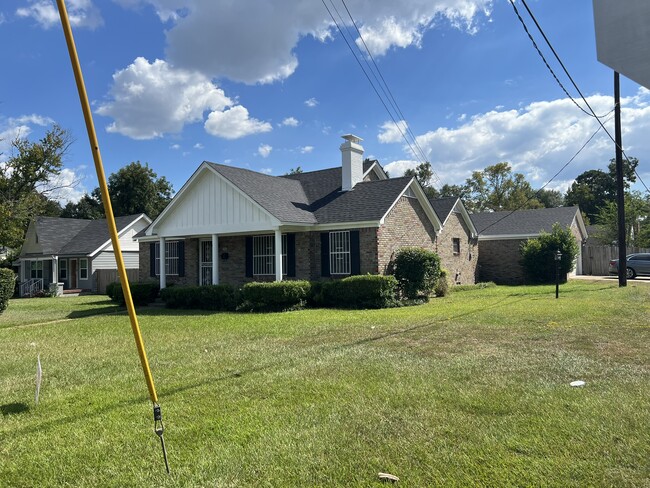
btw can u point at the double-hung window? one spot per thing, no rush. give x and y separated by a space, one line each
456 245
171 258
340 252
36 268
83 269
63 269
264 255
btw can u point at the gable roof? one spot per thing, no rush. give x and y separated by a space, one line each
310 198
61 236
525 223
443 206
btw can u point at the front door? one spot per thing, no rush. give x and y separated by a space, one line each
73 274
205 262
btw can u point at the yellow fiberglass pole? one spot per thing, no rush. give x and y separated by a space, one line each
110 219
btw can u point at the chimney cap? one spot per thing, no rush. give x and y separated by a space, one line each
352 138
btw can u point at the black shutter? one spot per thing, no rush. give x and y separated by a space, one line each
152 259
291 255
355 253
181 258
249 256
325 254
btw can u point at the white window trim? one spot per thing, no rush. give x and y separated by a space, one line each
453 242
340 255
35 268
83 268
267 261
171 260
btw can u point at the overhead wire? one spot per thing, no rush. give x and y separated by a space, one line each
591 112
418 154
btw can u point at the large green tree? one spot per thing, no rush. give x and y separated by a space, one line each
637 209
498 188
136 188
28 178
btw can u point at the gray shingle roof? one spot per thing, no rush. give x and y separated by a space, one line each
522 222
443 206
61 236
315 197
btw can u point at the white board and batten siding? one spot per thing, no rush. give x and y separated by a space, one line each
127 243
213 206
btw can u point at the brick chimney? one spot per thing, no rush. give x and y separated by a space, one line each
352 161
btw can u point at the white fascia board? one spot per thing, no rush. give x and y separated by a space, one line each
120 233
581 224
178 197
467 218
346 225
381 174
507 237
424 202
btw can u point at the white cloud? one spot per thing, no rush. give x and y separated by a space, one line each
81 13
397 168
264 150
306 149
198 145
537 140
390 132
149 100
234 123
18 127
175 147
260 48
266 171
290 122
68 187
311 102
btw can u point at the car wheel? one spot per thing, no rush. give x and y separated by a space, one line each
631 274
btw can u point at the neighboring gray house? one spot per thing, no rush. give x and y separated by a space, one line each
75 252
232 225
502 233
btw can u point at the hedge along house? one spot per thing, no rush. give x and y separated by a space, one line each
76 252
232 225
501 235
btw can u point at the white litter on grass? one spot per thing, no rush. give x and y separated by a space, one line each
39 376
577 383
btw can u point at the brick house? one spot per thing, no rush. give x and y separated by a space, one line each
501 235
329 223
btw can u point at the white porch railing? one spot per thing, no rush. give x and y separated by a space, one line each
30 287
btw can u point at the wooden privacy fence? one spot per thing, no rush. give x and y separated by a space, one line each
105 276
595 259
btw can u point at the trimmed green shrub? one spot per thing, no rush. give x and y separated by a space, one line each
442 284
211 297
7 283
417 271
538 255
363 291
141 293
275 296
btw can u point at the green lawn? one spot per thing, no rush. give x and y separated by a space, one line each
469 390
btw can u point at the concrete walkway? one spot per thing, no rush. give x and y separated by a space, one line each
612 278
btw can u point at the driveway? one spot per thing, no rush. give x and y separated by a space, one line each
614 278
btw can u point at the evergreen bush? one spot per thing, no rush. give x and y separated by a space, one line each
362 291
538 255
7 283
141 293
274 297
417 270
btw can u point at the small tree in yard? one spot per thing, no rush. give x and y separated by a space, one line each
538 255
417 270
7 282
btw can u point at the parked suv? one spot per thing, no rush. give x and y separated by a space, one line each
637 265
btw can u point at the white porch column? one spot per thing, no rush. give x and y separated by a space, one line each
55 271
278 255
215 259
163 275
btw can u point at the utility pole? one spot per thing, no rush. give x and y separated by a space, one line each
620 187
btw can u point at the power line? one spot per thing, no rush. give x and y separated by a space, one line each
390 93
420 156
549 181
566 71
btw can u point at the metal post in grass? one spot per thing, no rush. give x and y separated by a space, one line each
558 258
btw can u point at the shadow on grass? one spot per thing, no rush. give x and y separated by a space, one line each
80 314
13 408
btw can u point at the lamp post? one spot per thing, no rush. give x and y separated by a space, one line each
558 258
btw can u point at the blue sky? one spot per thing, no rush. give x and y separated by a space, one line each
272 85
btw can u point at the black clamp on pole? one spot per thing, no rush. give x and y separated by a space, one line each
159 429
